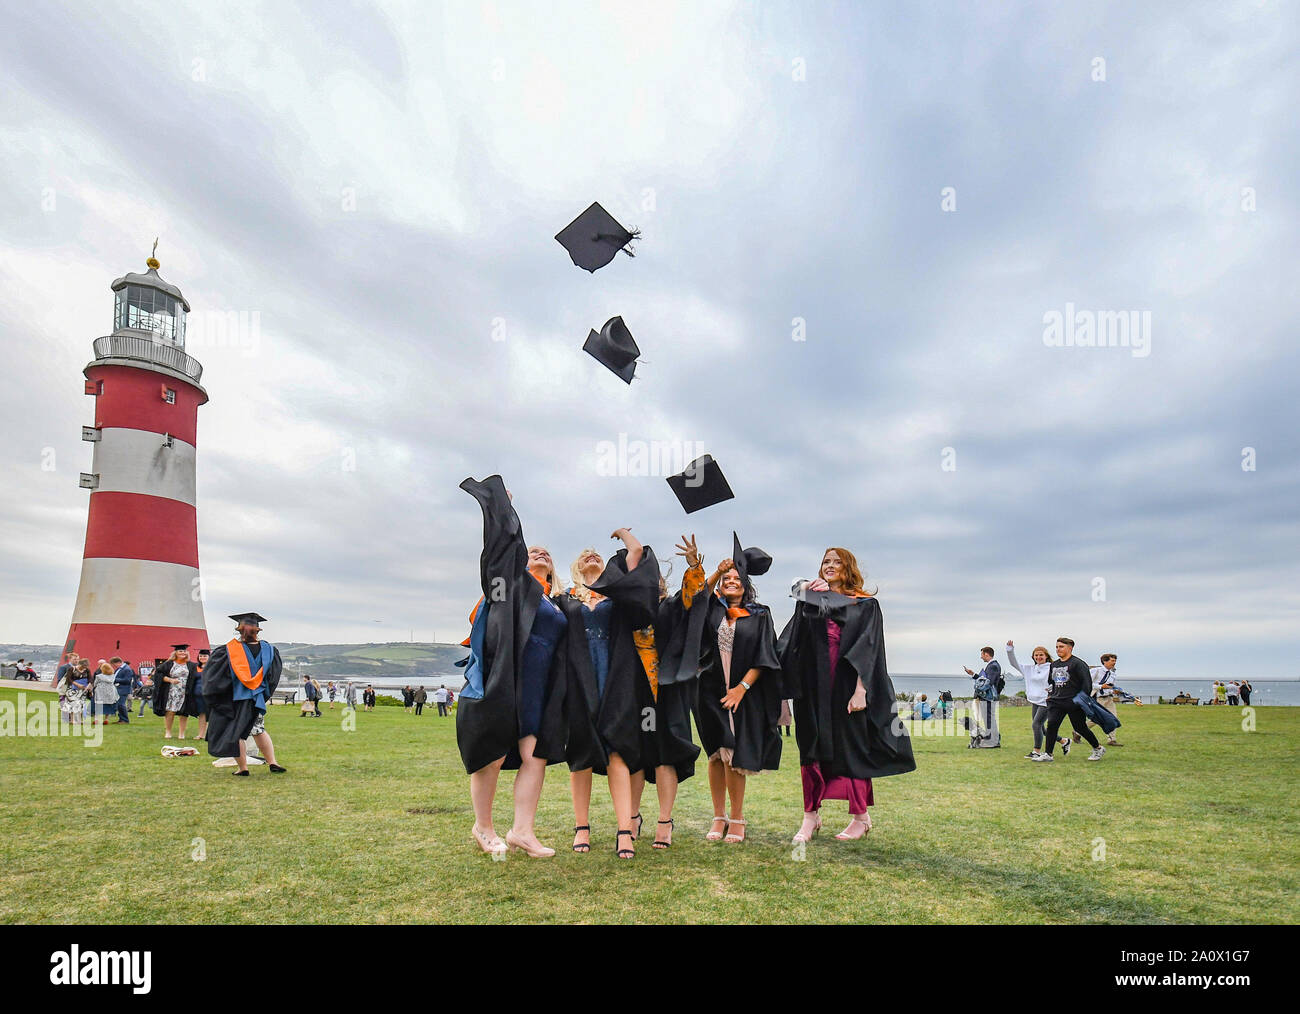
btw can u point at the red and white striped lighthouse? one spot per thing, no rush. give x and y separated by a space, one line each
140 590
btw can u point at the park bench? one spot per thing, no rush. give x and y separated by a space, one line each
1185 699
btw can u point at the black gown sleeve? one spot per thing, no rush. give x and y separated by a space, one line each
504 559
635 592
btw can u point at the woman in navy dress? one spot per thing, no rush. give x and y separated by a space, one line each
606 689
510 711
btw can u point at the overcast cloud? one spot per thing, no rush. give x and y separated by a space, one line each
782 161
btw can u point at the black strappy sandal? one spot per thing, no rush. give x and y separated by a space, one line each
583 846
639 824
664 844
624 853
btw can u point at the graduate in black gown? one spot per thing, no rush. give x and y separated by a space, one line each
176 681
238 681
738 703
606 688
669 751
511 712
833 658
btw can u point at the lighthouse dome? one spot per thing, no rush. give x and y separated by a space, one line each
148 303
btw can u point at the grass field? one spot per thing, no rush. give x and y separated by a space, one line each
1198 819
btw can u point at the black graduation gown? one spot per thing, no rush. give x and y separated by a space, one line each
669 742
756 742
865 744
488 729
162 690
599 725
230 721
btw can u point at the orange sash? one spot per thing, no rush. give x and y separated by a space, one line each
239 663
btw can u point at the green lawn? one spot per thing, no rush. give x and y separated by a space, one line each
1198 818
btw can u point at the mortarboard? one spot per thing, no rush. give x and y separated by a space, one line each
594 237
614 348
748 561
180 647
248 618
701 485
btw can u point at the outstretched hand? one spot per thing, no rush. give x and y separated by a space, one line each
686 548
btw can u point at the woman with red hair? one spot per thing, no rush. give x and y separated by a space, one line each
833 657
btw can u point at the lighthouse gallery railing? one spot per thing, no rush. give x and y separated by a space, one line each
119 346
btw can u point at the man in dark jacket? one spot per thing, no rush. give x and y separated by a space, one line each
124 681
1068 676
992 672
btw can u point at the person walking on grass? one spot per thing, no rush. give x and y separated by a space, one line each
332 691
124 680
1103 689
440 699
1246 688
1068 675
368 698
1035 675
240 680
420 698
1233 690
408 697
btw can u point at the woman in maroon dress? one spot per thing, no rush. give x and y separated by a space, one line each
833 657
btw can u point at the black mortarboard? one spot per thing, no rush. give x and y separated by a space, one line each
180 647
594 237
748 561
248 618
614 348
701 485
205 651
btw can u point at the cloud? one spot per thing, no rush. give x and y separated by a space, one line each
377 187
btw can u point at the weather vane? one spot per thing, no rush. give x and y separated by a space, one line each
153 257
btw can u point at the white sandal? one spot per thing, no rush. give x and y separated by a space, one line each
732 839
717 835
799 839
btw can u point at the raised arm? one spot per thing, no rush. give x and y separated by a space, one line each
634 547
1011 661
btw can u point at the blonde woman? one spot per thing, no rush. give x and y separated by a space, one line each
1035 677
511 709
606 689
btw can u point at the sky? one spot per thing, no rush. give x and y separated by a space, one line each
858 223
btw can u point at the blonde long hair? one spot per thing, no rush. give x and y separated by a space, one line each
579 590
552 576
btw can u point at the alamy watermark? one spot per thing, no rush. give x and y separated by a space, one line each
1098 329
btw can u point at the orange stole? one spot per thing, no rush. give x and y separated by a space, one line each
239 663
645 647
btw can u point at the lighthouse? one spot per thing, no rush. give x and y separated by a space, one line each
140 590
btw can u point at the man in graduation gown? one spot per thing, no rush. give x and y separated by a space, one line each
238 681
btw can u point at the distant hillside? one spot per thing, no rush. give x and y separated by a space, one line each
404 659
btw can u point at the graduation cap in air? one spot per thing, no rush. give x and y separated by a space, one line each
248 618
752 561
614 348
701 485
594 237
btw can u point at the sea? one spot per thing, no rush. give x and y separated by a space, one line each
1267 692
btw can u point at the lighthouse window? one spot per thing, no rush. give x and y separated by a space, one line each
145 309
169 396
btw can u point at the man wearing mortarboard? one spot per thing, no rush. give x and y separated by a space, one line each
238 681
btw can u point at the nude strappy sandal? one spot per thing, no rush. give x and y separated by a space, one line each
717 835
732 839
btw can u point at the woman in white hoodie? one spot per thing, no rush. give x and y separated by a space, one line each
1035 677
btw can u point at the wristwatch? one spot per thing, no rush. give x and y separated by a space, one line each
744 684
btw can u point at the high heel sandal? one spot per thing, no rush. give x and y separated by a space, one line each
491 845
624 853
639 824
516 844
799 836
731 839
663 844
717 835
866 829
582 846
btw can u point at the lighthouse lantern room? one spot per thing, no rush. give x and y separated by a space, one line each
140 590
